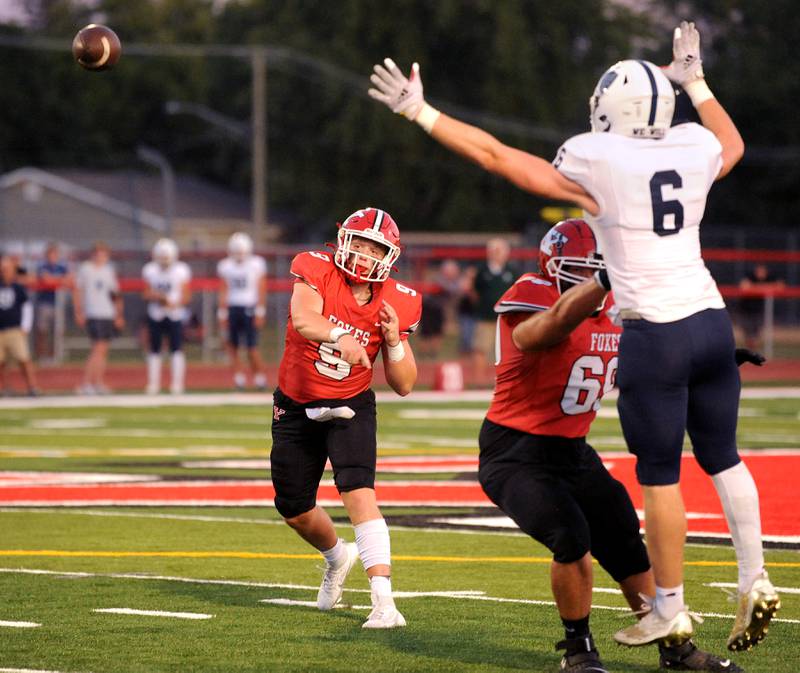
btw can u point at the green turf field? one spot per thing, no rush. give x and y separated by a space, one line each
474 602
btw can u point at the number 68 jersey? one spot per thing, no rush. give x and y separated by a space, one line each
555 391
312 371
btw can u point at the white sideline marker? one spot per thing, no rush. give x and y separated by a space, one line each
19 625
154 613
733 585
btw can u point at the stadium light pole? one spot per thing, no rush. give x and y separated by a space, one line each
155 158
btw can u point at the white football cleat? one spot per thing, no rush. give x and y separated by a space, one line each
653 627
754 611
384 615
330 591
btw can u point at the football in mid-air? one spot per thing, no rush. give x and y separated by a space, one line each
96 47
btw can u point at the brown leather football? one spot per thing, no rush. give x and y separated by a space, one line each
96 47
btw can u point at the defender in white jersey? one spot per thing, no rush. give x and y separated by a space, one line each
167 292
643 187
242 306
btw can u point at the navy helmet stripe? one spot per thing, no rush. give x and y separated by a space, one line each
654 100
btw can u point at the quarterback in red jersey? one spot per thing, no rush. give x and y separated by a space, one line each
556 358
344 311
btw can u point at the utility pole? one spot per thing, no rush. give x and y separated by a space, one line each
258 61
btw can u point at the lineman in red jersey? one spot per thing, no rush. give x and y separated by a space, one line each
344 311
556 358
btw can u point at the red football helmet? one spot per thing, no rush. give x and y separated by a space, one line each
375 225
570 245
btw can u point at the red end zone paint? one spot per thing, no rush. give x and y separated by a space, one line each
776 475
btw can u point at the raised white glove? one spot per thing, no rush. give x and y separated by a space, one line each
399 93
686 66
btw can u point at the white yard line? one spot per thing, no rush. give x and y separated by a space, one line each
154 613
733 585
451 595
19 625
265 399
26 670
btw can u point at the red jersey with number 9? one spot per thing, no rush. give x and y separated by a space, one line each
312 371
555 391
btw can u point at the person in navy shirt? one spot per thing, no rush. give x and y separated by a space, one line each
16 317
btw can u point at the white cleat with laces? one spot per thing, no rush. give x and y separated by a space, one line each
384 615
653 627
330 591
754 611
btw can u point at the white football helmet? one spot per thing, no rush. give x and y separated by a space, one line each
165 251
240 245
633 98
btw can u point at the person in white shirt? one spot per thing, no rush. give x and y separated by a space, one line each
242 306
167 292
97 303
643 187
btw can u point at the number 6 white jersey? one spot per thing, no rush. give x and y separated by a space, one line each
652 195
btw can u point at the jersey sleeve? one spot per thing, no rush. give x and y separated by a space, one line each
221 269
311 268
186 273
407 302
528 295
711 148
573 162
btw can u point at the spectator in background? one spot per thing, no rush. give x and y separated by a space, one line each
439 308
53 274
243 306
98 307
16 317
167 292
492 279
751 308
465 312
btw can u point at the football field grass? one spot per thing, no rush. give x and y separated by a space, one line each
113 589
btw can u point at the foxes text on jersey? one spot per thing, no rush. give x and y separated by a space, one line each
169 281
651 194
557 390
242 279
313 371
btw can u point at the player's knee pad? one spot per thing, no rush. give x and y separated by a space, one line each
616 542
290 507
716 460
568 545
353 477
651 472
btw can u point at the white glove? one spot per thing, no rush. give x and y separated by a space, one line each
399 93
686 66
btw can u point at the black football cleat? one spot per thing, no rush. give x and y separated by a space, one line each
687 657
581 656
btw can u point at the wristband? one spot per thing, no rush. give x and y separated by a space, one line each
222 313
601 278
336 333
396 352
260 311
427 117
698 91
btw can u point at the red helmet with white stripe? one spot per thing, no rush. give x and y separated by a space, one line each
368 245
566 251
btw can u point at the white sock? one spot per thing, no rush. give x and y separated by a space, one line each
239 379
739 496
372 540
178 368
669 601
381 587
336 555
153 371
260 380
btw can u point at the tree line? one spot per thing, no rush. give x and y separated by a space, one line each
523 69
